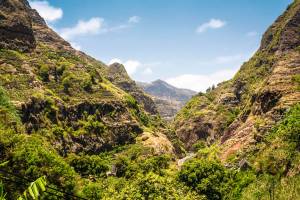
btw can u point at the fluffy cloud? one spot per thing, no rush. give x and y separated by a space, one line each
200 82
48 12
134 19
131 66
211 24
91 26
147 71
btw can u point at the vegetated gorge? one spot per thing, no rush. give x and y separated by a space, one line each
72 127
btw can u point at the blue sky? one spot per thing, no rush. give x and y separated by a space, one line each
189 43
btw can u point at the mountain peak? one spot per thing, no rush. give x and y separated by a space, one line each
284 33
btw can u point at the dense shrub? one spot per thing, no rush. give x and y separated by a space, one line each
88 165
44 72
206 177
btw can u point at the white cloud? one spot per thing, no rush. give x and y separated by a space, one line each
252 34
200 82
131 66
91 26
147 71
211 24
48 12
134 19
75 46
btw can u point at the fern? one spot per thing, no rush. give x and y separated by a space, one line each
35 189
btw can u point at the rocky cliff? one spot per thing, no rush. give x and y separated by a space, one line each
16 25
238 111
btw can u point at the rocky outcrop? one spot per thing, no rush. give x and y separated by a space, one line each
110 129
16 26
284 33
117 74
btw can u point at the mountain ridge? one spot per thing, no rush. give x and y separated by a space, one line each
168 98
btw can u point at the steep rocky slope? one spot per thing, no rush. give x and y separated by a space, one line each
239 111
54 85
169 99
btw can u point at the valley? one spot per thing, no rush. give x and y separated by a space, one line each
73 127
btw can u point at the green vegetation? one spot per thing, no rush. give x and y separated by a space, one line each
212 179
35 189
61 117
8 113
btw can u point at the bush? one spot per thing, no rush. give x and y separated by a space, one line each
87 84
44 72
204 176
131 102
88 165
155 164
67 82
91 126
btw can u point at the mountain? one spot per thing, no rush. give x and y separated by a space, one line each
169 99
250 103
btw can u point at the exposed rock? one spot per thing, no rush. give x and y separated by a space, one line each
16 26
284 33
158 142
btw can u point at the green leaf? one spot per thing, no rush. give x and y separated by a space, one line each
35 189
4 163
31 191
41 184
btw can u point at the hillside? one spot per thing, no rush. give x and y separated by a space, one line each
63 106
255 99
169 99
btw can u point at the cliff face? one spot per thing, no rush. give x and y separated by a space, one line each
16 26
168 98
241 109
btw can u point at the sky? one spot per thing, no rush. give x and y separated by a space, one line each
188 43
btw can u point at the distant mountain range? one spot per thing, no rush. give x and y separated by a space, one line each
169 99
